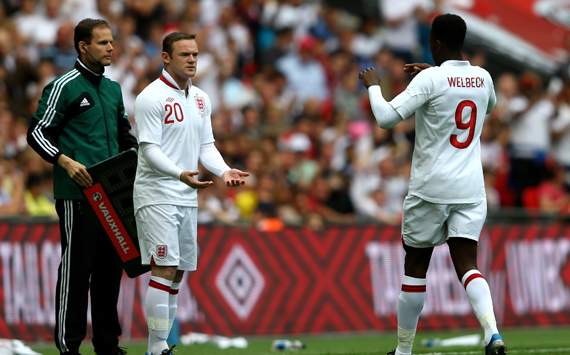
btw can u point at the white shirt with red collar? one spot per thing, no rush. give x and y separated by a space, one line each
180 123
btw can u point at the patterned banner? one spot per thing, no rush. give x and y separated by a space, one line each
302 281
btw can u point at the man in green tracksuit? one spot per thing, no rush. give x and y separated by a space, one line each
81 121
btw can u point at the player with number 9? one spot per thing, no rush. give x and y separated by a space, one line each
446 200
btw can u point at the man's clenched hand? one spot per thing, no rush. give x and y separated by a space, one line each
369 77
414 68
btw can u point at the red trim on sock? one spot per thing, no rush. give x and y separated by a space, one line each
471 278
413 288
159 286
173 291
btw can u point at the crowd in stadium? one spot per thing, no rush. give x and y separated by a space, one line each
288 107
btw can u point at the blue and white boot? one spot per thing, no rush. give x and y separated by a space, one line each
496 346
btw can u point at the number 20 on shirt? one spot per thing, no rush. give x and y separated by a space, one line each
173 113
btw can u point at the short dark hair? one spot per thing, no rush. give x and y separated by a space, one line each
84 30
449 29
172 37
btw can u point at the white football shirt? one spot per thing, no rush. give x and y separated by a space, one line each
450 103
180 124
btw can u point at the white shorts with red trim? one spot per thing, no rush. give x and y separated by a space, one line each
427 224
168 235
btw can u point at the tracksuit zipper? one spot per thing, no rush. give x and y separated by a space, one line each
105 120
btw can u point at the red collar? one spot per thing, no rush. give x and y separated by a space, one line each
164 80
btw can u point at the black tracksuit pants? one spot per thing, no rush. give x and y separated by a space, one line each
89 266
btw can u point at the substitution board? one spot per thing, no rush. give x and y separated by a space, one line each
111 197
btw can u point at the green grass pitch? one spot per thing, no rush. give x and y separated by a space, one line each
549 341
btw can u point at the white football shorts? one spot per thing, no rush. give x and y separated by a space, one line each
168 235
427 224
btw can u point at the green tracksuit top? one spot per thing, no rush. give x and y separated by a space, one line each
80 114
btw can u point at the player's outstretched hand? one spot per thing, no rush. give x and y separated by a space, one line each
188 177
414 68
369 77
76 171
235 177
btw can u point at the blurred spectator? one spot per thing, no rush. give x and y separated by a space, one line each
531 115
207 73
266 216
368 40
297 14
378 193
297 151
282 78
507 90
128 67
552 196
251 122
45 73
36 196
401 33
76 10
16 70
246 203
491 148
40 27
372 145
11 189
561 132
235 93
395 183
493 197
209 10
15 142
348 95
327 199
564 66
6 120
305 74
147 15
215 207
229 34
62 53
335 142
280 47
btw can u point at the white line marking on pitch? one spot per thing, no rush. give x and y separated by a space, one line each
516 351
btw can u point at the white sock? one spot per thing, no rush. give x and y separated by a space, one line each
480 298
172 304
410 305
156 307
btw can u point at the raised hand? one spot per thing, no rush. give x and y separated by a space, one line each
414 68
188 177
369 77
234 177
